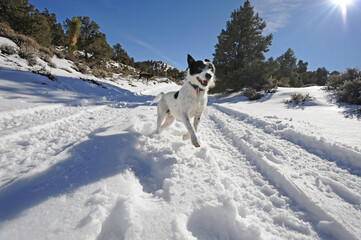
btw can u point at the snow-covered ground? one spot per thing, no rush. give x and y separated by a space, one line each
81 161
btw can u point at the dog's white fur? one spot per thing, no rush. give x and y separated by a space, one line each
189 103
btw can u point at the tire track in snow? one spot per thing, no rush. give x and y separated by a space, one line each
38 146
345 157
258 197
291 170
43 119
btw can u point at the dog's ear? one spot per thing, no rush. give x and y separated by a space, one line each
190 60
207 60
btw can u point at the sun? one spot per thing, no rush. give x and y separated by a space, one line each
342 4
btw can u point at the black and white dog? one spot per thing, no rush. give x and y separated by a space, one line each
189 101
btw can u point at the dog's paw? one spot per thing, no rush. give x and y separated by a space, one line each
185 136
195 142
196 145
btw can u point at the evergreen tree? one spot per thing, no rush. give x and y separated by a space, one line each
322 76
22 17
302 66
56 30
287 72
239 53
120 55
16 13
88 32
99 49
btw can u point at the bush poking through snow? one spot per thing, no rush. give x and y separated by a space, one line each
28 52
357 110
347 86
7 49
252 94
42 71
350 92
297 98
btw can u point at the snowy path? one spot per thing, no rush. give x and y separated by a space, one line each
103 171
82 162
324 190
31 137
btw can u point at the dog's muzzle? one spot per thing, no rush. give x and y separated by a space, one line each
203 82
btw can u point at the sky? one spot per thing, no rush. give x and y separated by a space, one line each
323 33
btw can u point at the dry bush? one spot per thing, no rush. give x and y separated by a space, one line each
66 70
252 94
7 49
28 52
51 64
29 48
102 73
59 54
300 98
44 72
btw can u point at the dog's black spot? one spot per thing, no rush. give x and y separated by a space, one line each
207 60
176 95
168 111
196 67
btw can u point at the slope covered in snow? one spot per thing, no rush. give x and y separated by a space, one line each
81 161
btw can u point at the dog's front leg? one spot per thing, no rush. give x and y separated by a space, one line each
191 131
195 125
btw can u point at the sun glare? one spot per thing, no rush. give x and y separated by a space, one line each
342 4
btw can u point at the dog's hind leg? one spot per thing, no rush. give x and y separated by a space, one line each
160 119
168 121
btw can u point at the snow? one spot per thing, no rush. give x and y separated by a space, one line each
81 161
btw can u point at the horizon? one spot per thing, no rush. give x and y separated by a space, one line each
320 33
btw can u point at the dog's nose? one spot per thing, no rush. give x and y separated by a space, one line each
208 76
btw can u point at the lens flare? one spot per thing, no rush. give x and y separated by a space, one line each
342 4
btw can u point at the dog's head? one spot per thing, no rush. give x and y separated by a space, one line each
201 73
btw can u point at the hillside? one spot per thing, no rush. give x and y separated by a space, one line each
79 160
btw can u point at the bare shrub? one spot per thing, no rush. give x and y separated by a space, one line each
44 72
28 52
67 70
300 98
252 94
7 49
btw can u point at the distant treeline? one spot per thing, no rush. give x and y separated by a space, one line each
158 68
80 36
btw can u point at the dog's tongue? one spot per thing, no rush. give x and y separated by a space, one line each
205 82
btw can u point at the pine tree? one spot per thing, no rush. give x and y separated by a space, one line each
120 55
99 49
239 53
88 32
287 73
22 17
322 76
57 35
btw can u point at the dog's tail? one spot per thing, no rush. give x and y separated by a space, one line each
157 98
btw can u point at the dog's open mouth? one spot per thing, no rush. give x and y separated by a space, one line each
203 82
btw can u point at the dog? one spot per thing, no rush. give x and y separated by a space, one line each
145 75
189 102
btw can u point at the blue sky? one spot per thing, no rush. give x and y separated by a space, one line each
318 31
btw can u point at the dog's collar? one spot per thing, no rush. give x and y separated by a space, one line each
196 87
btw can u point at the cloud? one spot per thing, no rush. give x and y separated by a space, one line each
157 52
276 13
